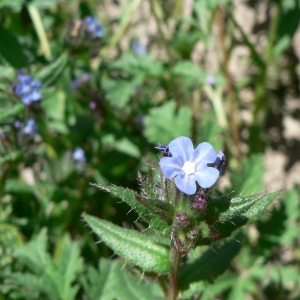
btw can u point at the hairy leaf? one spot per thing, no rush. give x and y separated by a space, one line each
135 248
223 208
223 220
129 197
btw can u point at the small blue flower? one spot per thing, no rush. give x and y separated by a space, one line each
81 80
139 48
79 155
31 127
93 27
189 165
211 80
28 89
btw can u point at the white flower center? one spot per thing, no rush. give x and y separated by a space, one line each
189 168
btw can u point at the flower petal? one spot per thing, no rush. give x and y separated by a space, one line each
171 166
186 183
204 154
206 176
182 146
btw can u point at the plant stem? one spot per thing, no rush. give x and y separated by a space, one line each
162 29
261 85
229 85
174 278
40 30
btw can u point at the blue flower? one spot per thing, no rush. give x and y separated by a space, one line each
28 89
79 155
81 80
188 165
31 127
139 48
93 27
211 80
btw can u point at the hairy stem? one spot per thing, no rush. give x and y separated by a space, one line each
174 278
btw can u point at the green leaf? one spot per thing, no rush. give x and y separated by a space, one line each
101 284
185 43
50 73
290 203
13 156
9 236
163 123
212 263
11 111
10 239
138 64
11 50
132 246
224 208
119 91
187 68
129 197
123 145
249 179
281 227
14 5
158 207
222 230
224 217
210 131
55 107
53 279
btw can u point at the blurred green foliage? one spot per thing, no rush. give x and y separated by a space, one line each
116 104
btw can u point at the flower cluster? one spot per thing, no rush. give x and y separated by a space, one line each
188 165
93 27
28 89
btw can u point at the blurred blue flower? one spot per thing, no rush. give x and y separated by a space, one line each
211 80
139 48
79 155
189 165
93 27
81 80
31 127
28 89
